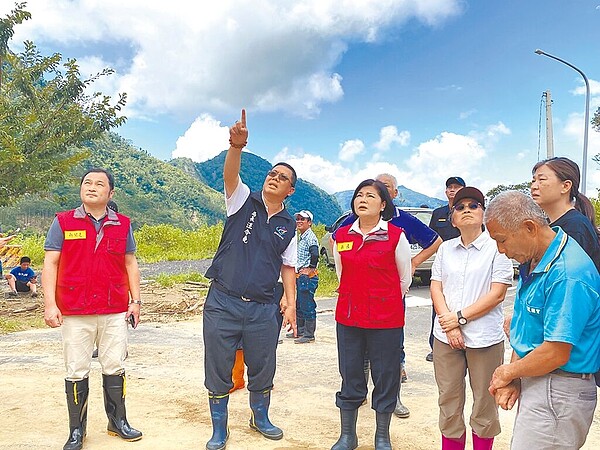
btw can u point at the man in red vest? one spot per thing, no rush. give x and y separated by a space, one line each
91 284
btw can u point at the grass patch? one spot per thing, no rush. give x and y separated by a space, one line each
328 281
166 280
10 325
168 243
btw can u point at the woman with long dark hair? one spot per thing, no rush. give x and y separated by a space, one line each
555 188
373 264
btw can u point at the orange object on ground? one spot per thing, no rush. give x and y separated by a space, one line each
237 374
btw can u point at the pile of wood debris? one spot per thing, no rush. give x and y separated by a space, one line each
161 304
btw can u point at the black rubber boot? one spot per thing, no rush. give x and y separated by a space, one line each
259 420
114 405
310 325
77 403
382 433
218 416
348 439
299 329
401 410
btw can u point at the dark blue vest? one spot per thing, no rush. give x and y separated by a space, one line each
248 260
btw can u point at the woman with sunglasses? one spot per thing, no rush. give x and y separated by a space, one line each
469 279
555 187
373 264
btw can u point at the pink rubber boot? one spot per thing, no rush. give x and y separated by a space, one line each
480 443
454 444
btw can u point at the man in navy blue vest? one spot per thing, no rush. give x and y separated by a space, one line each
258 244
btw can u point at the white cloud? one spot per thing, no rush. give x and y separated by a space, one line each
350 149
183 57
332 176
424 171
389 135
329 176
466 114
203 140
446 155
594 88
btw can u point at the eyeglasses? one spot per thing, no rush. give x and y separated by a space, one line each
472 206
279 175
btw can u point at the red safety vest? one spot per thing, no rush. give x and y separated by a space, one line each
369 293
92 277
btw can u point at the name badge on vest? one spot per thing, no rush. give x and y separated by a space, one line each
344 246
75 234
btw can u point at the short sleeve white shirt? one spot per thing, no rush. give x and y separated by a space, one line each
467 273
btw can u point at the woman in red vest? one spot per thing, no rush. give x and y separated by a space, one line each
372 259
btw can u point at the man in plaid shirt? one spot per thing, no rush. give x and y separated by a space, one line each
307 278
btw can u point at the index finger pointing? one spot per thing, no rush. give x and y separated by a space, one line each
243 118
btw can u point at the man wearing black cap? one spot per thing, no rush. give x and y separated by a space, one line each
439 219
440 223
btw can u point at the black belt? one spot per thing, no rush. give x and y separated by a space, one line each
564 373
219 287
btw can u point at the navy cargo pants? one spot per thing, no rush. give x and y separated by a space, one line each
229 321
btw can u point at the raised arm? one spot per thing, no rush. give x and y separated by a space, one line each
238 137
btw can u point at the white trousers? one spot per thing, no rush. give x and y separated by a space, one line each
80 333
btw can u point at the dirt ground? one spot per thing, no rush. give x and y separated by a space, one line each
166 398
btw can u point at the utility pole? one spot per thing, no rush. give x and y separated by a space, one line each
549 132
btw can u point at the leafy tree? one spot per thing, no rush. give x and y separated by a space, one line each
46 114
596 120
523 187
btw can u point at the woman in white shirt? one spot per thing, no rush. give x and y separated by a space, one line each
469 279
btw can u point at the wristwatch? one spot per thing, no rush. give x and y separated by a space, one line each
461 319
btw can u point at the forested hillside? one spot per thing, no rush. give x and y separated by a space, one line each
181 193
148 190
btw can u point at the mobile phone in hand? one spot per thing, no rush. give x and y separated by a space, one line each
132 321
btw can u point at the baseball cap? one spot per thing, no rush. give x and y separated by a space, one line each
469 192
306 214
455 180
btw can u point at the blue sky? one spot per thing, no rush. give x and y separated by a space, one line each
343 90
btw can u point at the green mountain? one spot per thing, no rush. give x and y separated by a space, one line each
180 192
405 197
148 190
253 171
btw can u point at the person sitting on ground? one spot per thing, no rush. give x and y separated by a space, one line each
22 278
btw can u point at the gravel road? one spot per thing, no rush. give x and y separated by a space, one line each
150 271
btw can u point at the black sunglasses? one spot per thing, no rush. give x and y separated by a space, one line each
472 206
280 176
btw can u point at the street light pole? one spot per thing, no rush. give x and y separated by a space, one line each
586 119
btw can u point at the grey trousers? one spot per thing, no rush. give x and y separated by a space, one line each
554 413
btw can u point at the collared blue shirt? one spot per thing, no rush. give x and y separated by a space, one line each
559 302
